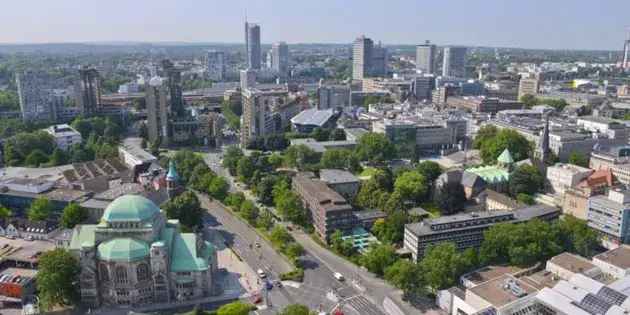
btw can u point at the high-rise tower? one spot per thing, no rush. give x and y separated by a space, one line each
174 84
252 45
280 59
626 53
454 64
89 92
425 58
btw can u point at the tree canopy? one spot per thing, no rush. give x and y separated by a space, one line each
235 308
375 148
185 208
578 159
378 258
526 179
40 209
492 147
57 275
72 215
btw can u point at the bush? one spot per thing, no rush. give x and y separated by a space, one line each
296 275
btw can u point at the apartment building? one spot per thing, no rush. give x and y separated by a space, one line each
562 176
610 216
64 135
483 104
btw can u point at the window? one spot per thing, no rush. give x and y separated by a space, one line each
121 275
142 272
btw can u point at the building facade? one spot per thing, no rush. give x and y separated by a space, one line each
35 96
64 135
266 112
425 58
216 64
89 92
136 257
280 59
252 46
454 63
157 111
610 216
368 60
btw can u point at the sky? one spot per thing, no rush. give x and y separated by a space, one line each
552 24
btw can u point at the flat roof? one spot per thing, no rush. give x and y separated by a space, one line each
571 262
336 176
313 116
618 257
498 294
490 272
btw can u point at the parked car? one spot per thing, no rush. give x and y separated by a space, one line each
338 276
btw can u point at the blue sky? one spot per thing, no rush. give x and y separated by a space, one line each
576 24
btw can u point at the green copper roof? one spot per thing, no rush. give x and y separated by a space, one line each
123 249
491 174
505 157
172 172
184 255
130 208
82 236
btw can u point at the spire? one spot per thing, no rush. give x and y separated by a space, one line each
172 175
505 158
543 143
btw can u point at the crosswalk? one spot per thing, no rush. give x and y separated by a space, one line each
363 306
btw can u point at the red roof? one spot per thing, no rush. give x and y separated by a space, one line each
602 177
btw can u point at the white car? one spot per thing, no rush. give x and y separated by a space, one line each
338 276
261 274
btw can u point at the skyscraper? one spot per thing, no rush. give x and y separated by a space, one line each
248 79
35 96
157 111
174 84
425 58
368 60
454 64
252 45
280 62
89 92
626 54
216 65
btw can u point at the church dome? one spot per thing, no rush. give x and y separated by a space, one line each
130 208
122 249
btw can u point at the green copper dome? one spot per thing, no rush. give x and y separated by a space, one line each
123 249
130 208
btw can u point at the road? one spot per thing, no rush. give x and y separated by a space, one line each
363 291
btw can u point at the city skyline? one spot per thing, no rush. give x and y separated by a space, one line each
451 22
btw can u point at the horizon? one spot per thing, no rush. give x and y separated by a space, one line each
566 25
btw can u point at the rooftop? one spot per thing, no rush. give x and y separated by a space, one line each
313 116
335 176
317 191
619 257
130 208
488 273
571 262
123 249
503 290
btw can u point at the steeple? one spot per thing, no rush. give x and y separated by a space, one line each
173 186
543 143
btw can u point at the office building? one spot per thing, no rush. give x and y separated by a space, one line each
265 112
174 84
481 104
610 216
528 86
466 229
252 45
216 65
332 96
626 54
454 63
368 60
425 58
280 59
248 79
564 176
157 111
134 256
329 210
35 96
422 87
89 92
64 136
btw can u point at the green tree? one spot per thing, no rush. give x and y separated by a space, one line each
485 133
235 308
265 220
245 169
235 200
578 159
338 135
185 208
218 188
411 186
430 170
406 276
391 229
526 179
320 134
529 100
525 199
295 309
509 139
231 157
379 257
375 148
280 237
450 198
300 157
264 189
290 208
72 215
577 237
294 250
249 211
442 265
5 212
36 158
335 158
40 209
395 202
341 246
57 275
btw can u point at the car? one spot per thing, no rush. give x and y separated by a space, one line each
338 276
257 245
29 238
11 237
261 274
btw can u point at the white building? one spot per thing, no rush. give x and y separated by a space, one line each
64 135
563 176
615 262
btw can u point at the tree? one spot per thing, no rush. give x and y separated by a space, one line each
245 169
320 134
335 158
525 199
5 212
235 200
36 158
294 250
485 133
218 188
295 309
406 276
185 208
529 100
231 157
411 186
249 211
73 214
509 139
341 246
235 308
40 209
264 189
578 159
375 148
265 220
391 230
442 265
379 257
526 179
58 157
57 276
395 202
280 237
290 208
300 157
450 197
430 170
338 135
577 237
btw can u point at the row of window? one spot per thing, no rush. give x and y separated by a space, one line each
120 273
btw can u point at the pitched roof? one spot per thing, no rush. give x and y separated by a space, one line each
122 249
184 255
505 157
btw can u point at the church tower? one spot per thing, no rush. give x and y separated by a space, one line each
173 186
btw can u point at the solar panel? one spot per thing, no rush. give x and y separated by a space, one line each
612 296
594 305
